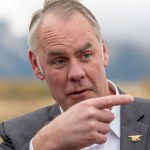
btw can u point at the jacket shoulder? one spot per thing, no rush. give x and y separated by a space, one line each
142 101
22 129
35 118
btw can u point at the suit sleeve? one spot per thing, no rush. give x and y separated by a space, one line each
6 143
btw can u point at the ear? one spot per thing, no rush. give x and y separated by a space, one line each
105 54
35 65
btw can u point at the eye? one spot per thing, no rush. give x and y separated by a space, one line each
86 56
59 62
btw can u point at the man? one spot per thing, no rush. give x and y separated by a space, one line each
68 52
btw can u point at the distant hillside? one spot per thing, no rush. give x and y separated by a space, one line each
127 62
130 63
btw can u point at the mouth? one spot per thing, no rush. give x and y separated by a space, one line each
79 94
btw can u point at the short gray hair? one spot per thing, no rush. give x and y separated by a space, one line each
63 8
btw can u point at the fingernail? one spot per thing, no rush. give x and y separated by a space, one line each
131 98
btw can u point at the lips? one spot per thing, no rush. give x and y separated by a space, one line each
79 94
76 92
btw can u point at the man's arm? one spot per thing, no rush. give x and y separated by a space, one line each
82 125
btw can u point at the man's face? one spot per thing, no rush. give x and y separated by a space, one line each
71 58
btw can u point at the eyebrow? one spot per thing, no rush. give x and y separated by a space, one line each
55 52
85 47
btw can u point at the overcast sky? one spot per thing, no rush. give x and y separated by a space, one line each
119 18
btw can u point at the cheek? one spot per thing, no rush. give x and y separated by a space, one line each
97 73
56 81
97 68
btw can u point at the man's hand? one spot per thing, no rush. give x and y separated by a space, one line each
82 125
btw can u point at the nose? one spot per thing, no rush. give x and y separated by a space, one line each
75 72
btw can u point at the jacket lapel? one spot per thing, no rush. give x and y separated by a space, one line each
53 113
130 126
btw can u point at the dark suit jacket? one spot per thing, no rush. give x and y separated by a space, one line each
135 120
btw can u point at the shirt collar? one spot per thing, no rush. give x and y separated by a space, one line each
113 87
115 124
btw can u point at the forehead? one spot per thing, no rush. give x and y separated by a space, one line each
57 31
60 23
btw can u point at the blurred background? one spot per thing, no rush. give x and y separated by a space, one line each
126 30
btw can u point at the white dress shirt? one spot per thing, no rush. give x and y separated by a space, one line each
113 136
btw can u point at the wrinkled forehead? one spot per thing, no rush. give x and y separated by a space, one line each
73 34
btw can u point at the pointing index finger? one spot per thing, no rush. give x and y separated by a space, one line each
109 101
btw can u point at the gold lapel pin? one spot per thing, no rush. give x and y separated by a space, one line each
135 138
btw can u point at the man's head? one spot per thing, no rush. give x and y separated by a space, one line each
68 52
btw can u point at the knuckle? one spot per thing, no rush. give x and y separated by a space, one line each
91 138
107 128
101 139
92 125
91 112
85 106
